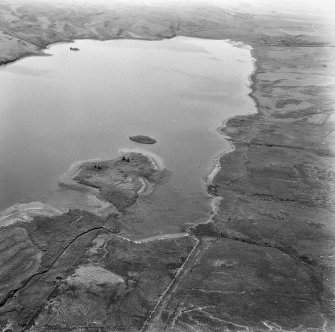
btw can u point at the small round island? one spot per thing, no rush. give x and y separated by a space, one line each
142 139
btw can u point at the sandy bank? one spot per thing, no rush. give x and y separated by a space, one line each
26 212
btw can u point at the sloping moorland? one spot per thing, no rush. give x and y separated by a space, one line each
264 263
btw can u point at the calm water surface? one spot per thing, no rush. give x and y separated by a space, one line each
72 106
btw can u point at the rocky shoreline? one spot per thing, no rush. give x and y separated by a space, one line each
264 261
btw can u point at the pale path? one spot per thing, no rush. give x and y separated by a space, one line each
153 321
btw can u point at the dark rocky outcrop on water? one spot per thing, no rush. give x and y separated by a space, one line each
143 139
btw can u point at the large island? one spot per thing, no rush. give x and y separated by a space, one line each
263 262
